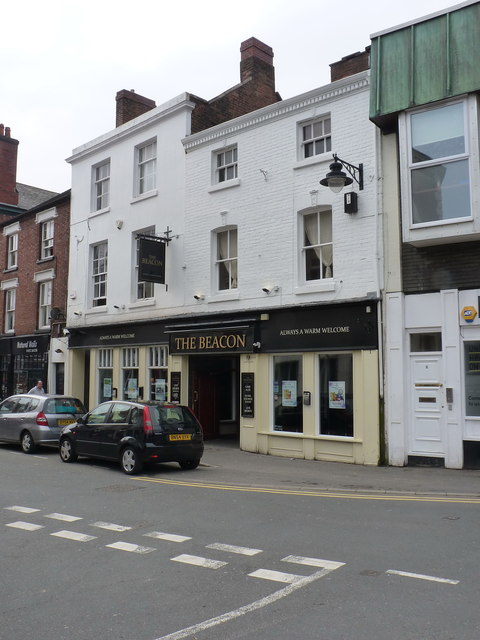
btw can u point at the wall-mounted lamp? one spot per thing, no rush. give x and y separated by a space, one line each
256 345
269 290
199 296
77 313
119 307
336 179
58 350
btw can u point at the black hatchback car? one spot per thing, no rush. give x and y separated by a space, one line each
135 433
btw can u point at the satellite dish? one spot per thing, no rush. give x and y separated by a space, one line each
55 313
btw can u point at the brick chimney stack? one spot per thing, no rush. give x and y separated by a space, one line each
8 167
130 105
349 65
256 63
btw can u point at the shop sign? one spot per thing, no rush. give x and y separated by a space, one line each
29 345
175 384
349 326
248 395
213 341
151 260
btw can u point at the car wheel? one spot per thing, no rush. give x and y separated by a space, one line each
131 461
187 465
67 452
27 443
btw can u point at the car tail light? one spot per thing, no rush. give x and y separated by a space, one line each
42 419
147 421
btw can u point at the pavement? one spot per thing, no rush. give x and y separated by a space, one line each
224 463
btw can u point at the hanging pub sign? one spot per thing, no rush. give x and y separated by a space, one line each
151 260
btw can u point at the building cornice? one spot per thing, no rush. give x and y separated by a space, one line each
181 102
328 93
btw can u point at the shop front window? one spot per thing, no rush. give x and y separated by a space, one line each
472 379
287 393
158 373
130 374
336 395
105 373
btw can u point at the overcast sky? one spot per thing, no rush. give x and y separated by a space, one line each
63 61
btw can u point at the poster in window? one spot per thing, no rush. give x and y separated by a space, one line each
132 389
160 390
336 394
107 387
289 393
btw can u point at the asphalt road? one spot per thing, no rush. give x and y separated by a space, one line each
87 552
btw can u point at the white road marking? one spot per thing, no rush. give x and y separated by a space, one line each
246 551
73 535
314 562
132 548
249 608
170 537
276 576
110 526
199 561
22 509
26 526
419 576
62 516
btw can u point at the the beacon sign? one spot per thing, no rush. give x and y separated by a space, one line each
234 341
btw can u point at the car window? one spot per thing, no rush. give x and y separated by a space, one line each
99 414
174 415
136 416
34 402
64 405
119 413
22 405
8 406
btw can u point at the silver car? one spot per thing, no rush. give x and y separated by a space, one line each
32 420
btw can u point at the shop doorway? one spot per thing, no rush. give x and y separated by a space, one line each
214 395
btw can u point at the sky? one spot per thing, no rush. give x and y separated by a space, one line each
63 61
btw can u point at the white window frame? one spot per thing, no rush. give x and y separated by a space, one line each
10 305
99 274
323 247
320 142
47 231
101 186
157 360
146 168
448 229
44 303
228 261
226 165
130 364
12 251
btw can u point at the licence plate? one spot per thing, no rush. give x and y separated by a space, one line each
180 436
63 423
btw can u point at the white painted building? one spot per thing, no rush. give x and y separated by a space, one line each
268 322
273 261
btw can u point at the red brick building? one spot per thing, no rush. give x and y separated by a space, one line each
34 246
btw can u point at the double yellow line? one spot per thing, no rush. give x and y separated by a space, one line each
339 495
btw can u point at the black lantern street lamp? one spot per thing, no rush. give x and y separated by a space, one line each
336 179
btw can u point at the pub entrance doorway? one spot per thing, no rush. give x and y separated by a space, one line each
215 395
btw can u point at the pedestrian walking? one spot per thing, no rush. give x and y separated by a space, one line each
38 389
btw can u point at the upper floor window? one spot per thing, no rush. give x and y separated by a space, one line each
317 248
226 165
99 274
146 167
227 259
316 137
12 251
439 164
101 186
44 304
46 246
10 301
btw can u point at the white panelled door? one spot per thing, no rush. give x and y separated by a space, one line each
427 431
